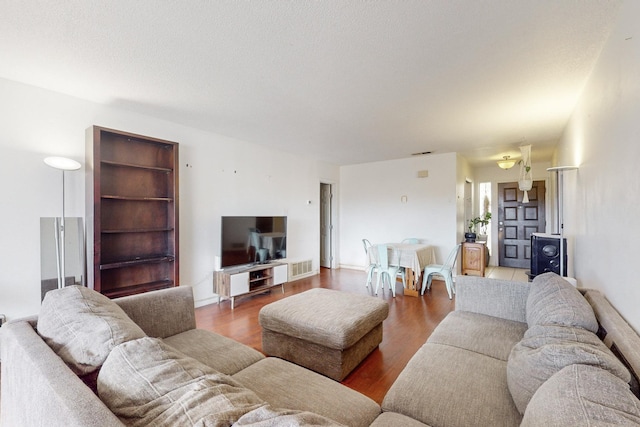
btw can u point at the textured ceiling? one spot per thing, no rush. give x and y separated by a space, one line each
343 81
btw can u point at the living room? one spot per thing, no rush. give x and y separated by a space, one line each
222 175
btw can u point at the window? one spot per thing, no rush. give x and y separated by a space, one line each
484 199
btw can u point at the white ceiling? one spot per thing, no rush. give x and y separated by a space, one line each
345 81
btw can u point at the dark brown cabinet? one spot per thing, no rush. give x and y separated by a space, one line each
132 212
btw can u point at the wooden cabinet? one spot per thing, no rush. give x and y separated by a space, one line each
474 258
235 282
132 212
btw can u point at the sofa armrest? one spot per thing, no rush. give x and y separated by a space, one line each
499 298
161 313
616 333
39 389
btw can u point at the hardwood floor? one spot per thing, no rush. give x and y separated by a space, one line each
411 320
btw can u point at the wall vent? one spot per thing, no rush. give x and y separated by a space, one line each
299 269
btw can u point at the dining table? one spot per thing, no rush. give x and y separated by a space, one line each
414 257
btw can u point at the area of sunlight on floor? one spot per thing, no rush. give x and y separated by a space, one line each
506 273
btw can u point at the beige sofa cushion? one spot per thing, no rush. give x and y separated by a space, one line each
147 382
546 349
554 301
449 386
82 326
388 419
581 395
221 353
480 333
286 385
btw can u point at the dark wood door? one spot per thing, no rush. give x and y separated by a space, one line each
517 221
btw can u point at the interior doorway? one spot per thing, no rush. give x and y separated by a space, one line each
517 221
326 225
468 202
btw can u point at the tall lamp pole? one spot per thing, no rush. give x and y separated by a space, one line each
559 170
64 164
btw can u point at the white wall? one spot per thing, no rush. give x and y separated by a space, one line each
602 198
225 177
372 207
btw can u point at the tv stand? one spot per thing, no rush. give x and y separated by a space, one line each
243 281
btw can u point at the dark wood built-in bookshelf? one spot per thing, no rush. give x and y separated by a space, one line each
132 212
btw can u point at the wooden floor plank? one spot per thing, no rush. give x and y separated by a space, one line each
411 320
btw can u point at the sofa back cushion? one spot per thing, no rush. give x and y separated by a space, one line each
554 301
546 349
82 326
581 395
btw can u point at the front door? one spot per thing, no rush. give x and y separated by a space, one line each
517 221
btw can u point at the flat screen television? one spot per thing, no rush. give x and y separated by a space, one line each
252 239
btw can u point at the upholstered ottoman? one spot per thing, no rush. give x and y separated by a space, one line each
327 331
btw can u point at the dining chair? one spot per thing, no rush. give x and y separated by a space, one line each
411 241
390 272
372 265
445 270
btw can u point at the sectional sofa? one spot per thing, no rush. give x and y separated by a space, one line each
510 354
530 354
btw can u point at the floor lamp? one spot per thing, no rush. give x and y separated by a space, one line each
559 170
63 164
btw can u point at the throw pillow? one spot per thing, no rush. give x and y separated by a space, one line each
581 395
554 301
82 326
546 349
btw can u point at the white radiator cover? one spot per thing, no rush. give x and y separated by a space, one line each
300 269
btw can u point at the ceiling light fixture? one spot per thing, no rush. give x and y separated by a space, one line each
506 163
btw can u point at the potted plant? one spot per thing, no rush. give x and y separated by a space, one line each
525 183
482 222
470 235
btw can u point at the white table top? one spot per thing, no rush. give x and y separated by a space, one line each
408 255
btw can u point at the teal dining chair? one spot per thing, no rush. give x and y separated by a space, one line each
390 272
445 270
372 266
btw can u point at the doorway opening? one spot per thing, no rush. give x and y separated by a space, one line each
326 225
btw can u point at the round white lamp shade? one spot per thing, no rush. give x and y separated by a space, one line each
62 163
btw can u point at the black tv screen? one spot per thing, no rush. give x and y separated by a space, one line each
252 239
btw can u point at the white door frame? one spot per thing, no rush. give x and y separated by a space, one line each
326 219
